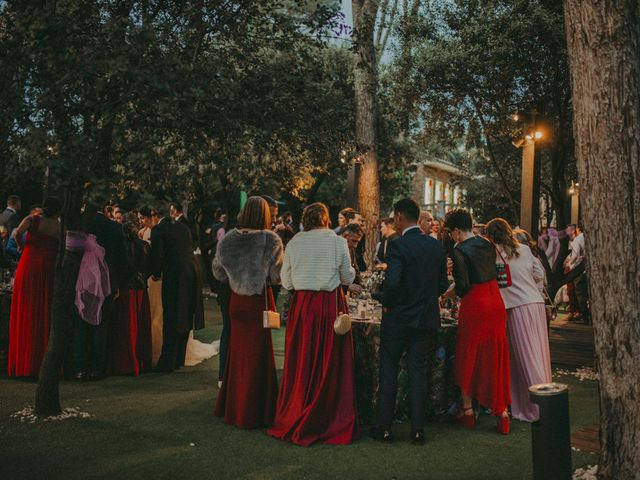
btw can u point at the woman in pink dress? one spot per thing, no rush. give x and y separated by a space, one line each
33 290
530 359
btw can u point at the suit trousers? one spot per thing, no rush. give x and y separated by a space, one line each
394 341
90 341
174 347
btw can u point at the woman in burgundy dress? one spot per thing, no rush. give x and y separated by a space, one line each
482 349
248 258
129 341
317 400
33 290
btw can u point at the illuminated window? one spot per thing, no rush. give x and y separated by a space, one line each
428 191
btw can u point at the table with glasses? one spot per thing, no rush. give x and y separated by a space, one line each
442 393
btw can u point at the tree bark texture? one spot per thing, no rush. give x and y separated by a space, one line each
365 76
48 392
604 53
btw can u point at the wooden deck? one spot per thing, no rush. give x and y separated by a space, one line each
587 439
571 344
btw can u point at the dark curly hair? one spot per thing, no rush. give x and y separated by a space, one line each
499 231
459 218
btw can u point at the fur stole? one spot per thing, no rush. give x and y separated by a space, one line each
245 259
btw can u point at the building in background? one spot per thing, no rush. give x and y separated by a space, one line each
437 186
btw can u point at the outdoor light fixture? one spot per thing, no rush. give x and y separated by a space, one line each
574 188
537 135
516 117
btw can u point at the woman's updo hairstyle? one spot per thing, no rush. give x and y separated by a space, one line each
315 216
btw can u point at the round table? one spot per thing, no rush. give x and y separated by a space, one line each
442 392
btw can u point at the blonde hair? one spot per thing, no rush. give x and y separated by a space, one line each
500 232
315 216
255 214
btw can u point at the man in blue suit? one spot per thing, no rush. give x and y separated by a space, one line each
416 276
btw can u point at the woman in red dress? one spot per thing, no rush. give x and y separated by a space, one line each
482 349
247 258
129 340
317 400
33 290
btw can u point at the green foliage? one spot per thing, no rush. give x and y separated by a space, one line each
167 98
465 67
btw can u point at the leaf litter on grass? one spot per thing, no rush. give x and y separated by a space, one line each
27 414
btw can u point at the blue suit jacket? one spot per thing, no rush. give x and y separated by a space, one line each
416 277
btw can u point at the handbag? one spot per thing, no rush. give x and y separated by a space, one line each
270 318
342 324
503 274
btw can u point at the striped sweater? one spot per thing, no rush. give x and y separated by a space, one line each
316 260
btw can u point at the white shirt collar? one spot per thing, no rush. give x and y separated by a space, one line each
409 228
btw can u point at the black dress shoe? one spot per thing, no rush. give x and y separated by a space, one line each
417 438
80 376
382 434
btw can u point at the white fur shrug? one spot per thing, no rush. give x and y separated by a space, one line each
245 259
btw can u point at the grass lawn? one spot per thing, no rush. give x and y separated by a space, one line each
160 426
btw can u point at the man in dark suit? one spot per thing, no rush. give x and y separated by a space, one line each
172 259
389 234
415 278
9 217
90 342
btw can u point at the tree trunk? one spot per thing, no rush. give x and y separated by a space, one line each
365 76
48 392
604 54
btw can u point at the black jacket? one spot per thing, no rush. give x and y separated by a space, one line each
474 261
172 257
416 276
384 247
137 270
110 236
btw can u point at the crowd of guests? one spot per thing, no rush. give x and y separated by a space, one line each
502 341
139 295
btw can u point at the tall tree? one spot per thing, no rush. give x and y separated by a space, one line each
604 51
365 76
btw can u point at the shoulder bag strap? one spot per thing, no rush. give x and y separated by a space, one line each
498 251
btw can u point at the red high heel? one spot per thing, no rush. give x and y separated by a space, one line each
504 424
465 420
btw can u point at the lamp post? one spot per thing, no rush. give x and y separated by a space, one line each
574 191
530 187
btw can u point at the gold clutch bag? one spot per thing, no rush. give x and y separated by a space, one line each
342 325
270 319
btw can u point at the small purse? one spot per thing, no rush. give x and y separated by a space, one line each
342 324
503 274
270 318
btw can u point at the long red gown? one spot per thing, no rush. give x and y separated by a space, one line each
129 341
317 399
482 348
31 303
248 395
